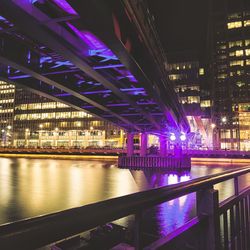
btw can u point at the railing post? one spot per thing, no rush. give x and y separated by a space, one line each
138 231
208 204
236 185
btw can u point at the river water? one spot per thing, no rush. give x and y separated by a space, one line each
32 187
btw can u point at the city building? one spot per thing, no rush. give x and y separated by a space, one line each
30 120
229 38
7 97
188 75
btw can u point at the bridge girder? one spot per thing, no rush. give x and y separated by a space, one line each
51 32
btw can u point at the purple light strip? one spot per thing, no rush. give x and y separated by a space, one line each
109 66
117 105
65 6
146 103
87 107
62 95
18 77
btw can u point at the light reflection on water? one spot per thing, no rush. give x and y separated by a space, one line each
31 187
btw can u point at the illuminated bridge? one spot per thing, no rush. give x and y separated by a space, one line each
100 56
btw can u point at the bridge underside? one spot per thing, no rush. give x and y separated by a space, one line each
87 54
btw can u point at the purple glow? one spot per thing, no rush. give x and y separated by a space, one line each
126 74
96 46
183 137
96 92
64 94
2 18
109 66
44 59
62 63
172 137
117 105
65 6
87 107
18 77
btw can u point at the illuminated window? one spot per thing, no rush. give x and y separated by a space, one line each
222 46
201 71
60 115
78 114
244 107
236 53
61 105
7 101
235 44
222 76
63 124
49 105
6 110
197 88
96 123
33 116
205 103
247 51
237 73
248 62
234 25
234 16
246 23
34 106
21 117
8 91
239 52
225 134
237 63
48 116
247 42
174 77
193 99
240 84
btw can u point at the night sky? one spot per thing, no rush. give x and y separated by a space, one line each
181 24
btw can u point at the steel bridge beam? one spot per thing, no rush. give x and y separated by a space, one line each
6 61
29 19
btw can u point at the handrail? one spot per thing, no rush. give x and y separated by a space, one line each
50 228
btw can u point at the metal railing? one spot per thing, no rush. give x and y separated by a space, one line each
216 226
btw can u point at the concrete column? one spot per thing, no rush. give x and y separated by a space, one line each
163 146
144 144
177 150
130 144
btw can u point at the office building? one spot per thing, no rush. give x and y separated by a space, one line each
188 75
229 33
30 120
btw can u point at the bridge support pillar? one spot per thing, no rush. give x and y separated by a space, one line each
163 146
144 144
130 144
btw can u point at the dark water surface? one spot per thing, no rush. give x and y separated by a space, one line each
32 187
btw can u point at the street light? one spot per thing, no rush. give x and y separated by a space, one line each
224 119
213 125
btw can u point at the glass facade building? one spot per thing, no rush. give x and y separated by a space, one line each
189 78
230 64
30 120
